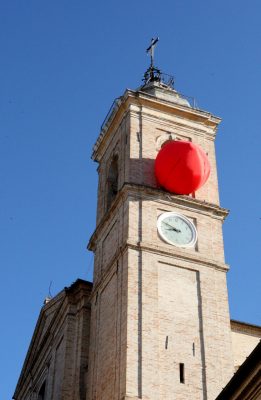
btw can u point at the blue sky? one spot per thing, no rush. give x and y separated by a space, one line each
62 64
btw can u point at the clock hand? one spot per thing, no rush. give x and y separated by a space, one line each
168 224
172 227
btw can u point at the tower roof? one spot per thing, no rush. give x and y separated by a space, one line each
164 91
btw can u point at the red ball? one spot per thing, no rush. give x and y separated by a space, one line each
181 167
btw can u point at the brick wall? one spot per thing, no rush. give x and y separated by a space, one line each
147 292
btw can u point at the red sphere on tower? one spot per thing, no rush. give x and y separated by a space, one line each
181 167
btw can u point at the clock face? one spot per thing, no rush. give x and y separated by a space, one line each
177 230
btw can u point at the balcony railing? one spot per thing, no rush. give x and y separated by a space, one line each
113 107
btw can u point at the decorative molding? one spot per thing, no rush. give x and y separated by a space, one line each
245 328
177 254
164 138
131 98
147 192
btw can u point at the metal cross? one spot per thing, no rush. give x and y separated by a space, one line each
150 50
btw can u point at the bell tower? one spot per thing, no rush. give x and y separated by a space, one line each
160 327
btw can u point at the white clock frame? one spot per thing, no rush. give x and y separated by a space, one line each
186 220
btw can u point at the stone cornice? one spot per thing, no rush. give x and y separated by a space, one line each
175 255
182 200
164 122
246 328
144 99
147 192
172 107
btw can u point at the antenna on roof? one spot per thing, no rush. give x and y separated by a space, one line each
49 290
49 297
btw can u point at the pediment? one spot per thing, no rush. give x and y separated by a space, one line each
50 331
47 324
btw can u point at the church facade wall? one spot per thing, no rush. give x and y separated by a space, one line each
57 360
245 337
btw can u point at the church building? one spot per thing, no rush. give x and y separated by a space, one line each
155 323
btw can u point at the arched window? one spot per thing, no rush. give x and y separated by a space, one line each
166 141
112 181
